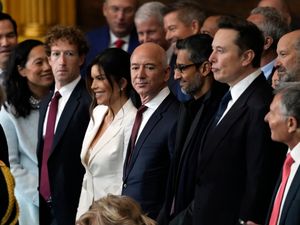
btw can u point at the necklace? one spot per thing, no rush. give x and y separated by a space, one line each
34 102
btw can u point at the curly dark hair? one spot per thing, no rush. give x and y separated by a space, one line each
71 34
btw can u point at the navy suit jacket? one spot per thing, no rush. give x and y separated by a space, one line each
99 40
239 163
290 214
146 175
64 164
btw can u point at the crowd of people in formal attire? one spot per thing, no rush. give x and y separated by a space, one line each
167 115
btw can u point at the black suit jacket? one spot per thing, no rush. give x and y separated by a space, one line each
290 214
239 163
191 126
145 177
64 165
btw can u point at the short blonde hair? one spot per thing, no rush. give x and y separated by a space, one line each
115 210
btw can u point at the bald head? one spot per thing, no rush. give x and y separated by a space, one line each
288 60
149 70
152 50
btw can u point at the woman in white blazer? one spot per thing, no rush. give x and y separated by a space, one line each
107 136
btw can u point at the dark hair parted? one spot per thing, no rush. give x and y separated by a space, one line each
198 47
17 90
115 63
187 11
249 36
66 33
5 16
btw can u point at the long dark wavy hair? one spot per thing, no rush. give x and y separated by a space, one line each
115 63
16 87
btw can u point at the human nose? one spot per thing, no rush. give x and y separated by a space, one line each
177 74
212 57
277 62
62 58
121 14
266 117
168 36
4 41
46 66
140 72
93 85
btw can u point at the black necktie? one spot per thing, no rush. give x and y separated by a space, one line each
222 107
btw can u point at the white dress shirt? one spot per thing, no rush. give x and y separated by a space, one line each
152 105
113 39
238 89
65 93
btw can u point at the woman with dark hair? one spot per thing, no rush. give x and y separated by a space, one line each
107 136
28 79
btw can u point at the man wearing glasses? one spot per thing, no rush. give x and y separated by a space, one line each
193 72
119 31
64 116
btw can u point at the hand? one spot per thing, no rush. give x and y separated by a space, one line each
247 223
251 223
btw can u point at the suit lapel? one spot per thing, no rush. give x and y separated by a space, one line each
112 130
67 113
294 188
92 130
215 135
154 119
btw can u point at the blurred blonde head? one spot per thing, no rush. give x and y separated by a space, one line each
115 210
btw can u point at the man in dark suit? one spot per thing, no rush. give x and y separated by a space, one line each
273 27
193 71
66 48
284 121
119 15
147 162
238 163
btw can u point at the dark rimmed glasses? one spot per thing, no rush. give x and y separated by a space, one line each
182 67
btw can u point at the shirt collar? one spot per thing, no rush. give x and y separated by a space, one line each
113 38
268 68
295 153
242 85
157 100
69 87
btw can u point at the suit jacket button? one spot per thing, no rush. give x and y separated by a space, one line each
124 185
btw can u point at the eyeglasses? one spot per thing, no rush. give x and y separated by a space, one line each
182 67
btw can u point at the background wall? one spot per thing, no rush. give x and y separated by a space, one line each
89 12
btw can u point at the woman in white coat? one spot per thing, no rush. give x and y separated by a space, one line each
107 136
